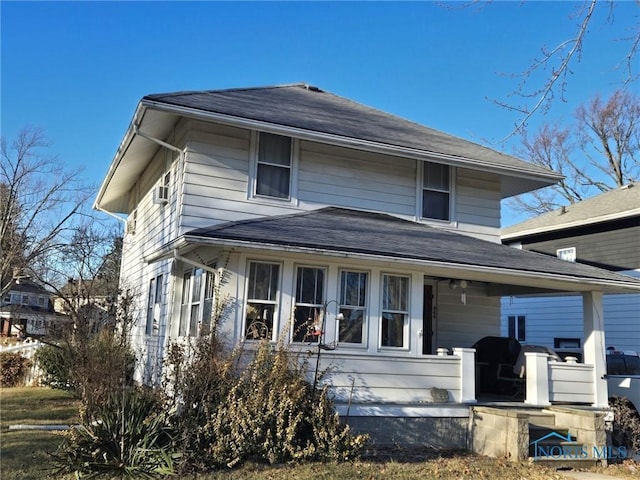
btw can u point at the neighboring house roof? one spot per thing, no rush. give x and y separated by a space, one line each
28 286
307 112
617 204
341 231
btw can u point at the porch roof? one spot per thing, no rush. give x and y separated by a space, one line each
345 232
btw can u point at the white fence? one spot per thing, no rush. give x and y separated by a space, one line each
27 349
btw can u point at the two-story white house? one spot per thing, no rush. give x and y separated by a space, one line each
26 310
331 221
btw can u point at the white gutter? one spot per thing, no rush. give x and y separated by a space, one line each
122 148
349 142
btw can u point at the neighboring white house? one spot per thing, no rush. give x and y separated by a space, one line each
603 231
26 310
329 216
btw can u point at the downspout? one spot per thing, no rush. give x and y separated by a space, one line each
162 143
117 217
193 263
157 140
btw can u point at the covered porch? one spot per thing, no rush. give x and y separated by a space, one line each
411 384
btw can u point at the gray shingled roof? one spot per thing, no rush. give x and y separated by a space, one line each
309 108
615 204
375 234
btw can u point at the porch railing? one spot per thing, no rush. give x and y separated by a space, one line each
558 382
358 378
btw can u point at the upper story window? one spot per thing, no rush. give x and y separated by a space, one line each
307 319
262 300
353 306
436 191
273 169
567 254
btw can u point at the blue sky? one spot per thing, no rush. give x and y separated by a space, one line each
78 69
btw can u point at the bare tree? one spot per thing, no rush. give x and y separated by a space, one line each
40 202
599 152
612 129
554 64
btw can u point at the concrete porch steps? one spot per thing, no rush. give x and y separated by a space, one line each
556 436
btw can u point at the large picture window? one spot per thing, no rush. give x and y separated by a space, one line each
395 310
273 175
353 306
262 299
307 318
436 190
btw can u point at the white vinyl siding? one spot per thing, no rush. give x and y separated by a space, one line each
343 177
562 317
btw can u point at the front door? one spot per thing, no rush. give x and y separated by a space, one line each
427 320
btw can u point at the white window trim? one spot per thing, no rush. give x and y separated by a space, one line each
199 301
154 305
569 251
451 192
275 328
253 172
294 297
407 321
367 307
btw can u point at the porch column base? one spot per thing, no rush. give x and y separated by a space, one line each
537 378
467 374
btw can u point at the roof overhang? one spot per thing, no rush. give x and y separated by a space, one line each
524 233
505 281
158 119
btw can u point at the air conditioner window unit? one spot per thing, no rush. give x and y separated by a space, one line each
161 195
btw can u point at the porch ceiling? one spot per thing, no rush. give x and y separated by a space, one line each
380 237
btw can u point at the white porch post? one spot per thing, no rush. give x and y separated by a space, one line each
537 380
594 344
467 374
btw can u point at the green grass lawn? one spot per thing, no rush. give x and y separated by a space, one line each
25 454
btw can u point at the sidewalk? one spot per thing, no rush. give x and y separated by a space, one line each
587 475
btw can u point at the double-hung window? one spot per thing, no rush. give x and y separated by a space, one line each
273 169
153 306
436 191
395 310
307 318
353 306
262 299
208 303
196 310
